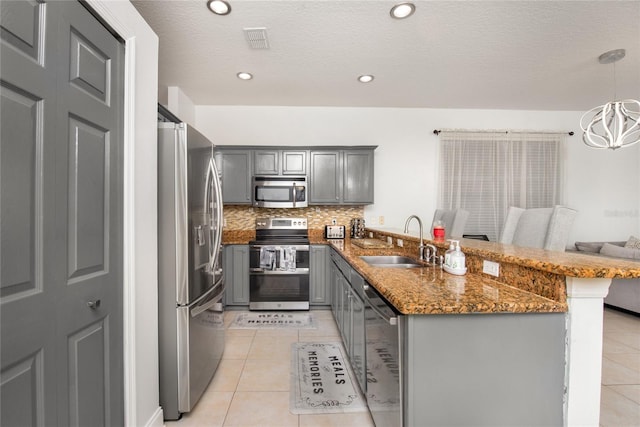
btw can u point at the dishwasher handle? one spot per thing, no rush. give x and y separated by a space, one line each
392 320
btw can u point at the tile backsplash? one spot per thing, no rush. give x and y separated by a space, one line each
244 217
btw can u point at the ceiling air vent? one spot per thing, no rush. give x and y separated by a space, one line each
257 37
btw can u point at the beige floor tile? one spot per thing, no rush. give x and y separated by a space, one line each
210 411
227 375
260 409
277 332
360 419
617 411
610 346
631 392
628 360
237 347
629 338
265 375
320 339
613 373
241 332
275 347
325 328
322 314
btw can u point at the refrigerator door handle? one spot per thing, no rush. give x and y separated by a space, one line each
206 306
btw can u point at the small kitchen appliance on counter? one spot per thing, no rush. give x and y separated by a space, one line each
357 228
334 231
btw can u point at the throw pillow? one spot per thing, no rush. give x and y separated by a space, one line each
633 243
620 252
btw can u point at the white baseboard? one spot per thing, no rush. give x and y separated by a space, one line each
157 419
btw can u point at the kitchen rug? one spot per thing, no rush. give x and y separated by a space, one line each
322 381
273 320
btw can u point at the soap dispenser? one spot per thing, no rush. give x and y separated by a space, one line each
456 261
447 254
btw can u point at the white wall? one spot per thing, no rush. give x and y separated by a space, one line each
603 186
140 284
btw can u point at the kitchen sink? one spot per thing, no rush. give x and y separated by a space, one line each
391 261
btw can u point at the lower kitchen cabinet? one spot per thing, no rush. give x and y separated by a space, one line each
319 286
236 271
348 310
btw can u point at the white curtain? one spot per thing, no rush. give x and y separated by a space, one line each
486 172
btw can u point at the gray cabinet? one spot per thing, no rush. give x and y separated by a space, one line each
347 305
236 271
341 177
319 284
280 162
235 167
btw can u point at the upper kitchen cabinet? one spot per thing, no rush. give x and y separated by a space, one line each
341 176
279 162
235 167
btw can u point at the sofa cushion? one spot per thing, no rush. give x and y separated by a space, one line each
593 247
617 251
633 243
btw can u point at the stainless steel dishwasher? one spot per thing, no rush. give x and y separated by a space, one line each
383 355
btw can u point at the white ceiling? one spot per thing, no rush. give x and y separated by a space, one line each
533 55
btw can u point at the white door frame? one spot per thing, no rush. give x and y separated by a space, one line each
141 394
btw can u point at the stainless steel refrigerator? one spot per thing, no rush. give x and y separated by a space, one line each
190 277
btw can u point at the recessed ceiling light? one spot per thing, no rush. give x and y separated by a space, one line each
365 78
244 76
402 10
219 7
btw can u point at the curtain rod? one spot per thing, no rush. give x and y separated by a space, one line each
438 131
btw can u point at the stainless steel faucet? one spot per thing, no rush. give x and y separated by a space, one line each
431 254
421 252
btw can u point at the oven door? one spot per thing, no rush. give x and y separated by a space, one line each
274 192
279 291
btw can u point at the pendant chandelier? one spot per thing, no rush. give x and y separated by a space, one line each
615 124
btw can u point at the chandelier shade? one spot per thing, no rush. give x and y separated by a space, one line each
614 124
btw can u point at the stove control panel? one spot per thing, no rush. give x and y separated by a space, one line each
281 223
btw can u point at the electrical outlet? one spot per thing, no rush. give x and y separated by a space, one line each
370 235
400 243
390 240
490 267
381 220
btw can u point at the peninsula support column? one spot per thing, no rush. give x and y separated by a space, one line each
584 350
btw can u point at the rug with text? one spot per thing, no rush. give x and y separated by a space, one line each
264 319
322 380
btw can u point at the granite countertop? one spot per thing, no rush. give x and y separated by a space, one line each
430 290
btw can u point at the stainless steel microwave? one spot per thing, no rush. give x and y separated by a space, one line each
280 191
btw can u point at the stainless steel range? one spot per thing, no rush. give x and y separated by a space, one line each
279 265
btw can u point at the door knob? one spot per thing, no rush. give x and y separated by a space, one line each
93 304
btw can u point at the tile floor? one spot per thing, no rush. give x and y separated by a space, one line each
251 386
620 399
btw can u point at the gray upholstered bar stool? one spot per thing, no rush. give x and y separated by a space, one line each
546 228
454 221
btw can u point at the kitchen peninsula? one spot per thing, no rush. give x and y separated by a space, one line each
539 323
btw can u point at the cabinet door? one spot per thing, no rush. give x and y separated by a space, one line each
335 294
266 162
294 163
236 272
357 177
357 355
319 288
325 185
235 167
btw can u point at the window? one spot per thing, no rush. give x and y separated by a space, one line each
486 172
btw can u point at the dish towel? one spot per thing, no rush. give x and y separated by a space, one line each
267 257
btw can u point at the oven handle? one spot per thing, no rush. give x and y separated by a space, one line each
392 320
294 195
260 271
298 248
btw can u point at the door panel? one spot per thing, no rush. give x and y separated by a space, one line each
61 211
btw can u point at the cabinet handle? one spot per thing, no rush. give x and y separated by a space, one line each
93 304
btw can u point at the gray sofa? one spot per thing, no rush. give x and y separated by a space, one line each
623 293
